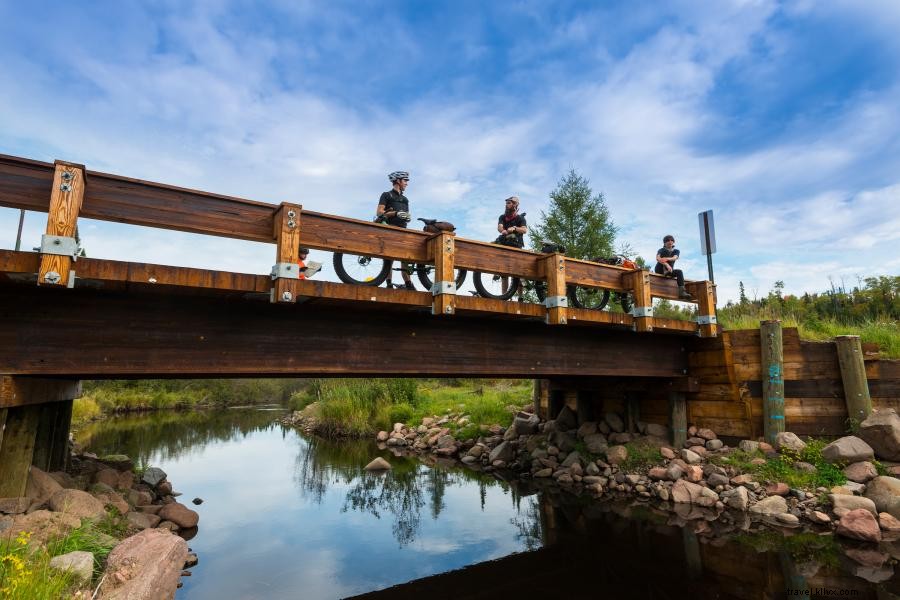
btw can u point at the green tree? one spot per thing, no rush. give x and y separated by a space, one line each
577 219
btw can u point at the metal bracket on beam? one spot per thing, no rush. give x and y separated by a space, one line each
642 311
286 271
59 245
556 302
706 319
443 287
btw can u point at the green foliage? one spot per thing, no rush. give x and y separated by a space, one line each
870 310
576 219
782 467
804 546
641 456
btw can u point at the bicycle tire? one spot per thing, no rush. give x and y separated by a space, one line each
485 293
598 301
346 277
626 302
424 271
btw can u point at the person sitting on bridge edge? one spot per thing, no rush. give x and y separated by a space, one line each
665 258
512 228
393 209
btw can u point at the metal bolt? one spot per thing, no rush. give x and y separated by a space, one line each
287 296
292 224
52 277
65 187
68 176
449 310
291 214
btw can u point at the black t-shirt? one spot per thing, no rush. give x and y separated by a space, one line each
394 200
666 253
517 221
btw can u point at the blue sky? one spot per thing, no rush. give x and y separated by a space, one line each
782 117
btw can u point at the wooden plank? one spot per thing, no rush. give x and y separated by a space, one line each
352 236
442 252
726 427
678 418
473 305
3 413
17 449
59 451
639 283
66 197
704 292
137 335
553 268
494 258
661 325
24 391
578 316
43 439
286 232
773 380
722 409
590 274
853 375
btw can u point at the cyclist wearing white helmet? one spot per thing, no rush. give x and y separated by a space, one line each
393 209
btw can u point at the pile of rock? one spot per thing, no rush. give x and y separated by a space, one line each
56 503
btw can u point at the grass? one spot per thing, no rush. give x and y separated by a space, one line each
25 572
885 333
361 407
781 469
802 546
641 456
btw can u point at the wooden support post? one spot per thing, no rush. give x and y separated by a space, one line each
692 558
52 438
554 269
571 400
632 411
286 232
853 374
638 281
441 249
18 449
585 407
541 397
771 349
3 412
58 247
678 418
704 292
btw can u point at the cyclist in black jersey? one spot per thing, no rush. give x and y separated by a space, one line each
393 209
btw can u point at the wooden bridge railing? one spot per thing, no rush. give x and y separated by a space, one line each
67 191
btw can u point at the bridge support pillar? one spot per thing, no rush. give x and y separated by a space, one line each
554 269
441 249
59 246
35 414
286 232
638 282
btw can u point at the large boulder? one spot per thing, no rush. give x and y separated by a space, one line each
615 422
526 423
737 498
859 524
773 505
885 493
785 440
378 464
881 430
616 455
658 431
846 450
179 514
596 443
685 492
587 428
40 485
79 564
44 525
504 451
566 420
145 566
153 475
860 472
843 504
77 503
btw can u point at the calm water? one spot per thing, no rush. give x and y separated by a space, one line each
286 516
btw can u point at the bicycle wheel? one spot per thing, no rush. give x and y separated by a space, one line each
490 285
426 278
584 297
361 270
626 302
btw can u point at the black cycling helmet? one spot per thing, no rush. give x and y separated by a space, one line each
398 175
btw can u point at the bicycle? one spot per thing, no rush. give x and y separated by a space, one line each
366 270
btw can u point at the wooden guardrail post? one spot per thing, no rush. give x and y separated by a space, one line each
59 247
639 283
286 231
704 292
853 375
556 301
441 249
772 355
678 418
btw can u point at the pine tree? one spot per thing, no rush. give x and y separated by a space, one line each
576 219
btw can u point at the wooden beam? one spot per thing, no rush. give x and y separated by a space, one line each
52 436
25 391
441 251
140 335
66 197
678 418
286 231
17 449
554 271
853 376
704 292
638 282
773 379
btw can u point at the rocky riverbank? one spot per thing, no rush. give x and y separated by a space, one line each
601 459
148 555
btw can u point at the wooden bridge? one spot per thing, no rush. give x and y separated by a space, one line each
64 318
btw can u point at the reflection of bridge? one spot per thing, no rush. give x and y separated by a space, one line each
126 319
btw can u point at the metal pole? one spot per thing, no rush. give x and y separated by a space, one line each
19 235
708 247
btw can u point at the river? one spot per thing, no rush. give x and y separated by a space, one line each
289 516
